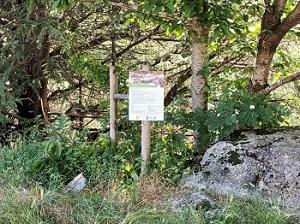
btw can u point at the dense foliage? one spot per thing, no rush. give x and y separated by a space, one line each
55 59
228 65
53 155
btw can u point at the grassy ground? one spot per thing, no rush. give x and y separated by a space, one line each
115 194
146 202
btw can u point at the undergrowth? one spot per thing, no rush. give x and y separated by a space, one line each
35 168
36 206
53 155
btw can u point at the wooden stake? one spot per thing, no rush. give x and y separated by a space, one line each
145 140
113 105
146 147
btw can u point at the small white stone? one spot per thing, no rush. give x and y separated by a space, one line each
77 184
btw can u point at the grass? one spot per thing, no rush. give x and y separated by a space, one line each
108 199
253 212
37 206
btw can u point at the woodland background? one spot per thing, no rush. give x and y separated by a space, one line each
229 66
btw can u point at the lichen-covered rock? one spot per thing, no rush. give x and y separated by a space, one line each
268 165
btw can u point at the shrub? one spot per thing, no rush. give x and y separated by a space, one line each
235 110
171 152
53 155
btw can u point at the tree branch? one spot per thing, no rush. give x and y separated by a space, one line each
75 24
166 39
141 40
86 46
3 21
288 23
92 43
174 92
278 6
281 82
176 89
167 56
60 92
134 8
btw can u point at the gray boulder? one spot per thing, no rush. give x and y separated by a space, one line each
267 166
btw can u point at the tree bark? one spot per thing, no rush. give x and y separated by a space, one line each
199 57
272 32
199 80
265 53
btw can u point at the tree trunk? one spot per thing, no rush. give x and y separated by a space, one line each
199 57
198 85
33 98
265 53
273 30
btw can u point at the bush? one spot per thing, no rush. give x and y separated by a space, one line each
55 154
172 153
235 110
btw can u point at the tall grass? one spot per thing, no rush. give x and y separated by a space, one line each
253 212
35 206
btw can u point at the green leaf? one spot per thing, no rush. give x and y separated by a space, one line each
142 24
171 6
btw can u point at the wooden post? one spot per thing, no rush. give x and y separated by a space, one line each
146 147
113 105
145 140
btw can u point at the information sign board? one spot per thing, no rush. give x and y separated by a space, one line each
146 96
